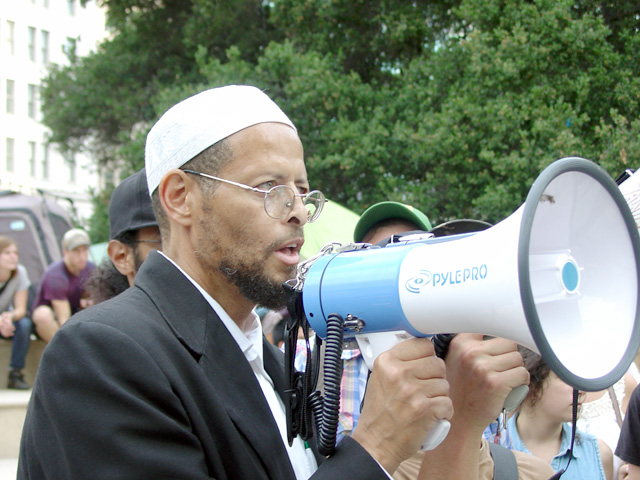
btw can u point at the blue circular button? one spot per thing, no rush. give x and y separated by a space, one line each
570 276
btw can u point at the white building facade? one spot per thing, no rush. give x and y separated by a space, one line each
34 34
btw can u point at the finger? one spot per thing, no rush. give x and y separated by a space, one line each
497 346
508 379
428 368
407 367
504 361
412 349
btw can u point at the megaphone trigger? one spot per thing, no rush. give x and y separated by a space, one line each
372 345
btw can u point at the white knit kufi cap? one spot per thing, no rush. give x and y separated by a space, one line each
198 122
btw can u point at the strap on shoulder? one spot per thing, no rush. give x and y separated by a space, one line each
504 463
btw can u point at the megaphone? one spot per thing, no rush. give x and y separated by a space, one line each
559 276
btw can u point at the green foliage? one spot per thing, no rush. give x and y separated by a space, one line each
99 222
454 106
369 37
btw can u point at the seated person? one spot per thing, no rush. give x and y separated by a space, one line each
61 288
14 322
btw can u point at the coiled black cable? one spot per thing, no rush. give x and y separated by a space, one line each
441 343
327 409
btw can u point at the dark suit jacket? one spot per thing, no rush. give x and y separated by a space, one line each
152 385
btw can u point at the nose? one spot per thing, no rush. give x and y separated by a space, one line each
298 213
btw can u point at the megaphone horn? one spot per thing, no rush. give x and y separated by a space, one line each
560 276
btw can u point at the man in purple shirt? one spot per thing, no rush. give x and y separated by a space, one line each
61 288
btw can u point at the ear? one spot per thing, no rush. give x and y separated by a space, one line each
122 257
176 191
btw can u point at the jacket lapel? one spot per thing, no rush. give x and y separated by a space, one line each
223 363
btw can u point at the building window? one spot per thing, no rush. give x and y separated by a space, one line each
10 154
45 161
71 7
32 44
32 159
44 46
10 37
32 92
70 160
11 87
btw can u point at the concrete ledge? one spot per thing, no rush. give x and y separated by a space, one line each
13 408
14 398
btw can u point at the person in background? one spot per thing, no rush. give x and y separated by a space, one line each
14 322
628 448
133 233
542 426
174 378
105 282
61 289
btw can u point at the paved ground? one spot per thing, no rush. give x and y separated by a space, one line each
8 468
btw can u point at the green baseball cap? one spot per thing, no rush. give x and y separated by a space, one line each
387 210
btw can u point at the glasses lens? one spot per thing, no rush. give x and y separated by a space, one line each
314 201
278 201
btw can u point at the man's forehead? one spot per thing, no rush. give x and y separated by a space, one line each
268 148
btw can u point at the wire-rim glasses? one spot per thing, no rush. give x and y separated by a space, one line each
279 200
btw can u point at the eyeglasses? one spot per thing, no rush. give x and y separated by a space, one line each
279 200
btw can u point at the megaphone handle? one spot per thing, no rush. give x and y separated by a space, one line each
515 398
373 344
436 435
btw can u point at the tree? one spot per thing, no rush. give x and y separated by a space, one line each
454 107
96 102
372 38
468 128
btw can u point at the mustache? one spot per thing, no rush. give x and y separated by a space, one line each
273 246
298 233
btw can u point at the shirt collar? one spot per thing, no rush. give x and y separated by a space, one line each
249 340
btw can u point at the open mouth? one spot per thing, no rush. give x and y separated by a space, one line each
290 253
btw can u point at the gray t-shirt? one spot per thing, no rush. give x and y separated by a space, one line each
16 284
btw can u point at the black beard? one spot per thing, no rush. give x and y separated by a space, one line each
254 285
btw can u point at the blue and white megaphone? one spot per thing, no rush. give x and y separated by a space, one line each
560 276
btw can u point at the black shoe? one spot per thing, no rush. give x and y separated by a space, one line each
16 381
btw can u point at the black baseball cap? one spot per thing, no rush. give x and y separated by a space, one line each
130 206
459 226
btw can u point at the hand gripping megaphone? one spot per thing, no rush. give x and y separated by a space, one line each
559 276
